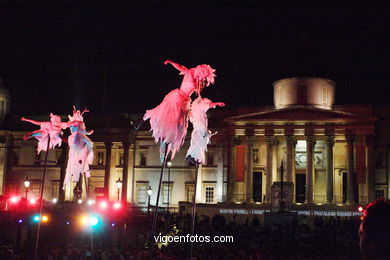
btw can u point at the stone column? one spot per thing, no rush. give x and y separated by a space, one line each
107 172
125 175
350 169
232 142
310 143
329 168
249 169
269 139
219 159
290 143
370 168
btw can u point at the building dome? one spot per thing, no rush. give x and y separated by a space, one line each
315 92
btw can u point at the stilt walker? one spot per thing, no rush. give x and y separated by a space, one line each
48 137
169 120
200 138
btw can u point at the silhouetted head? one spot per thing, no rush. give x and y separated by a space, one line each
374 231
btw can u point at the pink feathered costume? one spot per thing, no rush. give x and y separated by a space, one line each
80 148
52 129
169 120
200 136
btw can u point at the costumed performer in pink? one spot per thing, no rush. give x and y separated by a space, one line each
52 129
169 120
80 148
200 136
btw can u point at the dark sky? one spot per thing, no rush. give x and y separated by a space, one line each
62 53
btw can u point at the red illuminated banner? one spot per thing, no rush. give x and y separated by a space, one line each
360 163
240 163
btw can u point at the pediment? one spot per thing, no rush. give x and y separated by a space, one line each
300 113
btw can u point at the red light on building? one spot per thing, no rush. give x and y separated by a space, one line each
103 204
14 199
117 205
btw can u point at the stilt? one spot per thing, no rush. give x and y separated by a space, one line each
153 231
41 198
194 206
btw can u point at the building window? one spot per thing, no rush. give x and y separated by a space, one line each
100 158
190 192
324 95
142 195
55 189
35 188
209 194
210 158
16 157
142 159
379 194
255 156
121 160
167 189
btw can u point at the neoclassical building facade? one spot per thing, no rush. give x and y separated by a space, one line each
332 154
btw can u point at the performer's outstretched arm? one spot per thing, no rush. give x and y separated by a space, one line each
31 121
213 105
177 66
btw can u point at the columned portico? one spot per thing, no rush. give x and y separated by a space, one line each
232 142
125 177
310 143
370 168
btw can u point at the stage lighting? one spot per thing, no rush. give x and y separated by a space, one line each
33 201
55 200
79 201
20 221
14 199
36 218
45 218
117 205
360 208
103 204
90 202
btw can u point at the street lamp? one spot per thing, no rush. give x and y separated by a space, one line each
119 186
169 164
26 185
149 191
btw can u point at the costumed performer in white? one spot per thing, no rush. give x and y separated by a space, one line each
80 148
200 136
169 120
52 129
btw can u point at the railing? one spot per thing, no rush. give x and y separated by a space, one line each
319 199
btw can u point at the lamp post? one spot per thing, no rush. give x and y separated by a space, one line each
169 164
118 187
149 191
26 185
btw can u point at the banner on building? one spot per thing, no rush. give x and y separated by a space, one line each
360 163
240 163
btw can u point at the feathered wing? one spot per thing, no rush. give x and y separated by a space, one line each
169 121
80 153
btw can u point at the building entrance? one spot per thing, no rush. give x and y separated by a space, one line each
257 186
300 190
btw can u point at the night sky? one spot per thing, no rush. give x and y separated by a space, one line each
109 55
